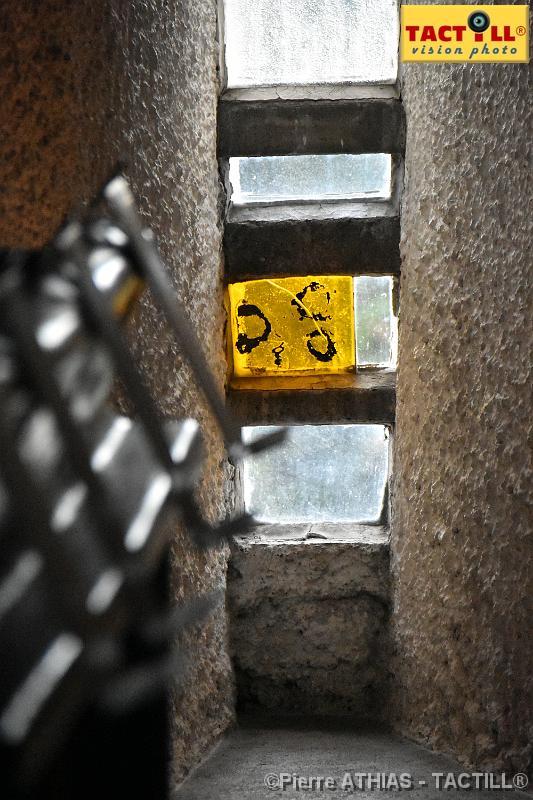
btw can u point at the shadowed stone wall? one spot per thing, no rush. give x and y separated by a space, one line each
87 83
309 609
462 540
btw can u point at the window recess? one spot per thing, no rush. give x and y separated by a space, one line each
311 136
284 220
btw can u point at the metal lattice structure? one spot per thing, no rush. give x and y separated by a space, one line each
86 630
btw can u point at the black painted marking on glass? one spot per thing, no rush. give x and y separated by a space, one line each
314 286
277 351
331 350
245 344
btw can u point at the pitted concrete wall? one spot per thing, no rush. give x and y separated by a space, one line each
40 126
87 83
462 540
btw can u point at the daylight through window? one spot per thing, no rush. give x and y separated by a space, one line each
275 42
278 179
322 473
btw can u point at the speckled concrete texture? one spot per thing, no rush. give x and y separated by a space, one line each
39 129
309 610
462 542
88 83
155 65
249 761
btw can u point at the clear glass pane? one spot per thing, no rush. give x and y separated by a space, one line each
280 42
328 177
321 473
375 324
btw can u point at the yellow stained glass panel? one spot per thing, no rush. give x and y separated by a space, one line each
292 326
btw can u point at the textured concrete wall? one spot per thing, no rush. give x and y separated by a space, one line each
462 540
309 610
84 84
39 130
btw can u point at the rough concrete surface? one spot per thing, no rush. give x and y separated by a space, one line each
240 765
462 544
40 126
308 619
296 127
312 240
350 398
85 84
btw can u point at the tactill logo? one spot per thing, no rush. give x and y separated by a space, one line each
464 33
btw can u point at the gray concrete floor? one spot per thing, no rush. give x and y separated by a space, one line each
256 753
246 759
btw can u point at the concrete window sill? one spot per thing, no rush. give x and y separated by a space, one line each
302 560
320 532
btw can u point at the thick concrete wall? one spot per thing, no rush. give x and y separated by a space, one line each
40 127
83 85
462 541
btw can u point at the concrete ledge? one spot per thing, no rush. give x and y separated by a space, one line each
300 127
337 239
361 397
314 91
308 609
324 560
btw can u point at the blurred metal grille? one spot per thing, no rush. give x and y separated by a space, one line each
86 631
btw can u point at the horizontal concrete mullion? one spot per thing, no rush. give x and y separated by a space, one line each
370 399
301 127
327 246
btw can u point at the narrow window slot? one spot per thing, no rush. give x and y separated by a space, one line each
313 178
321 473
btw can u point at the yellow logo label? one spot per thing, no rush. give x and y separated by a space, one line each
465 33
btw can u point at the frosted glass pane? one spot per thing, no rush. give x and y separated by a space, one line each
276 42
328 177
375 324
321 473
